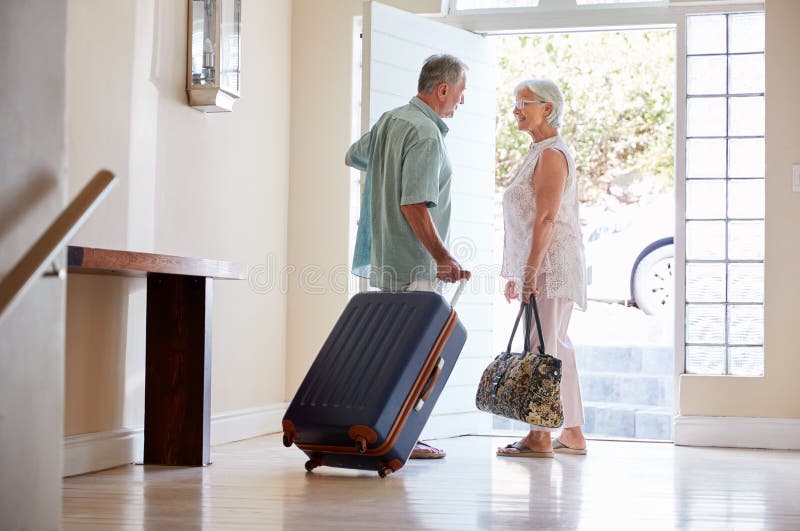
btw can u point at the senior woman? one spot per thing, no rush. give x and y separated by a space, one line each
543 253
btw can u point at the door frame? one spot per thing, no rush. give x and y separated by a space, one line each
557 16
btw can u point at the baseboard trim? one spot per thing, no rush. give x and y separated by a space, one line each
738 432
91 452
237 425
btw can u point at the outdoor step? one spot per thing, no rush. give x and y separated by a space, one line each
636 422
627 359
644 389
656 425
612 420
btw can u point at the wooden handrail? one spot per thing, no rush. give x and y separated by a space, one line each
41 254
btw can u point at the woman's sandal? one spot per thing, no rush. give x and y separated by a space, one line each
561 448
518 449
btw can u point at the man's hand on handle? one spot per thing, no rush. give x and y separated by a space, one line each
449 270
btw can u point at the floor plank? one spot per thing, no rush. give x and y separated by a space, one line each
259 484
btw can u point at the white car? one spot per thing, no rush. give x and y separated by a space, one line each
630 256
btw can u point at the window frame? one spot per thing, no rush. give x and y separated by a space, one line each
557 5
553 16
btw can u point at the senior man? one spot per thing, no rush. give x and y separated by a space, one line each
405 207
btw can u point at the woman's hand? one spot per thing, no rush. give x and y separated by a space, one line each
529 283
511 291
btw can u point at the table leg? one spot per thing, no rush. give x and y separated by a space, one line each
177 421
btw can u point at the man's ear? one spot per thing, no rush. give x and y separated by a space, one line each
441 90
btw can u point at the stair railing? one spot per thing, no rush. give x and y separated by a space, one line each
42 253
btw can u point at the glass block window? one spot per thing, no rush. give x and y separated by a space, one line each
725 194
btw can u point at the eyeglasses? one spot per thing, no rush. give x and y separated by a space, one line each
519 104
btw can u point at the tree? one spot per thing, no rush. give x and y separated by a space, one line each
619 109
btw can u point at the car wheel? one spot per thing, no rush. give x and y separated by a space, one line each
651 277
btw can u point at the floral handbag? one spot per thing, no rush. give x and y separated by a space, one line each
524 386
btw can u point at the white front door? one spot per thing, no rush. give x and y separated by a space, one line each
395 45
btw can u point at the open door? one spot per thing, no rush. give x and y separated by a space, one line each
395 44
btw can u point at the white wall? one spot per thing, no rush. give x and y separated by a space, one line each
209 186
322 53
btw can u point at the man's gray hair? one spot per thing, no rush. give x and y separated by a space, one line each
442 68
548 91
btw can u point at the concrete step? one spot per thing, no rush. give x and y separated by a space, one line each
629 421
625 359
627 389
613 420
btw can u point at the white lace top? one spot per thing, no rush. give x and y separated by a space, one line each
564 265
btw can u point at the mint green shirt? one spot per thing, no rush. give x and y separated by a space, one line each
406 162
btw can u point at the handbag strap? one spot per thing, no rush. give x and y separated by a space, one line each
516 324
526 308
538 326
499 375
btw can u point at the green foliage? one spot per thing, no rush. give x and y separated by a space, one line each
618 117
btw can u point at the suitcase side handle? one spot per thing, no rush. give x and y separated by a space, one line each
428 389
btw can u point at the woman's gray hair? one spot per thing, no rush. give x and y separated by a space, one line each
548 91
437 69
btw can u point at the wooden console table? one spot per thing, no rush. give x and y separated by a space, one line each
177 420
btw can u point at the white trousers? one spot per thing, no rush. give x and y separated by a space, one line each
554 315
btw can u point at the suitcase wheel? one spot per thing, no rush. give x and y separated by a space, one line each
287 441
384 469
311 464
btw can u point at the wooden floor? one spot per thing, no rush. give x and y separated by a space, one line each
259 484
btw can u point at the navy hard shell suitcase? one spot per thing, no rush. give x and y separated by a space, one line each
372 387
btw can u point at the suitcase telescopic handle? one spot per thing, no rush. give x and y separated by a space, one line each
459 290
426 391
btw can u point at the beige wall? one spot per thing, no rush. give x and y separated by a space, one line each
777 394
211 186
322 55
